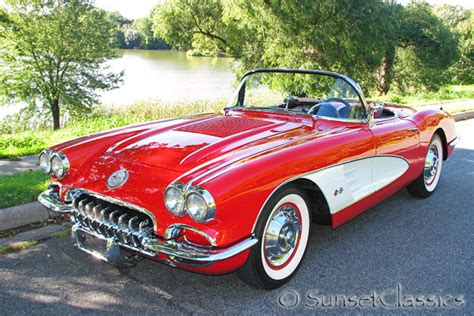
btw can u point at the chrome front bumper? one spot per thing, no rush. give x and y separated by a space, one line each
150 244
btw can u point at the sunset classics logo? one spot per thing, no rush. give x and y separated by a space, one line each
392 298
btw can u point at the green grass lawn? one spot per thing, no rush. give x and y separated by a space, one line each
22 188
446 93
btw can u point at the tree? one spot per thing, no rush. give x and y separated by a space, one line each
183 22
367 40
131 36
53 52
463 70
420 50
461 23
120 22
452 15
346 36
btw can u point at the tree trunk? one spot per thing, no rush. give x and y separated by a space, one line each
385 77
55 111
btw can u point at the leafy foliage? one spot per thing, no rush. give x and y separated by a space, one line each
135 33
366 40
52 54
424 47
461 23
345 36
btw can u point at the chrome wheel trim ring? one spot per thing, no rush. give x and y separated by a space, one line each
285 270
282 235
431 164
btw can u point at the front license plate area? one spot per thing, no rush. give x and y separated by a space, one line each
104 249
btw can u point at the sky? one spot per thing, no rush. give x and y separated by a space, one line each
131 9
134 9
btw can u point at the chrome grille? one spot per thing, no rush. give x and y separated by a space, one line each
124 226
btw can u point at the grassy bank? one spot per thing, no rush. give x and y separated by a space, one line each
22 188
447 93
15 141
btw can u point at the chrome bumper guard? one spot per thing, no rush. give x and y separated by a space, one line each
115 232
455 141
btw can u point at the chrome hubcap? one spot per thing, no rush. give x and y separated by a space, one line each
282 234
431 164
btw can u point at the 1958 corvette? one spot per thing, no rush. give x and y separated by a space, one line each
237 191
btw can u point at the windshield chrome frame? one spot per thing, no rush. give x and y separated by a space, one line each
348 80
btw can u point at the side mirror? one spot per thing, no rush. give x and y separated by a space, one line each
374 107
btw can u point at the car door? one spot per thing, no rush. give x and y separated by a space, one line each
395 138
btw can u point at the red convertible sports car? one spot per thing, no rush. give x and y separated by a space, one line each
237 191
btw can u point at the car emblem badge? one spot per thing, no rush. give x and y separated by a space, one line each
338 191
117 179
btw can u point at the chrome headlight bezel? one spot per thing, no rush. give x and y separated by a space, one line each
64 163
188 191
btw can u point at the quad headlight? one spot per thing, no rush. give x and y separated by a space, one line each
174 201
55 163
195 201
45 161
197 207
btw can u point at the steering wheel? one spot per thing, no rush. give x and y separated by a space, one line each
347 104
327 107
342 110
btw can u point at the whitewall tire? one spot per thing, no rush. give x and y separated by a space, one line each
283 231
428 181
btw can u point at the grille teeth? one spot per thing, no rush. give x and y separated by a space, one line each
121 220
75 203
95 212
81 206
125 226
131 223
113 217
88 209
142 225
104 214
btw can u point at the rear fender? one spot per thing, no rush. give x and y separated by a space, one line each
431 121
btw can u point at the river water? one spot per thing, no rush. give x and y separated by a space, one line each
169 76
163 75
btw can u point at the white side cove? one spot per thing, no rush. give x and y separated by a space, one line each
349 182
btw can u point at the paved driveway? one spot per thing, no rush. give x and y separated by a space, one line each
420 251
9 167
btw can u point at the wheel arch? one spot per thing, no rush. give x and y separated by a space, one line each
319 206
440 132
318 203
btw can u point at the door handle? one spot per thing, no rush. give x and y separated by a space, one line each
414 129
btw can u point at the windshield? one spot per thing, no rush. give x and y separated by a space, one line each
300 93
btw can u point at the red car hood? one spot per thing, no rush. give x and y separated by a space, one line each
158 153
184 146
182 149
